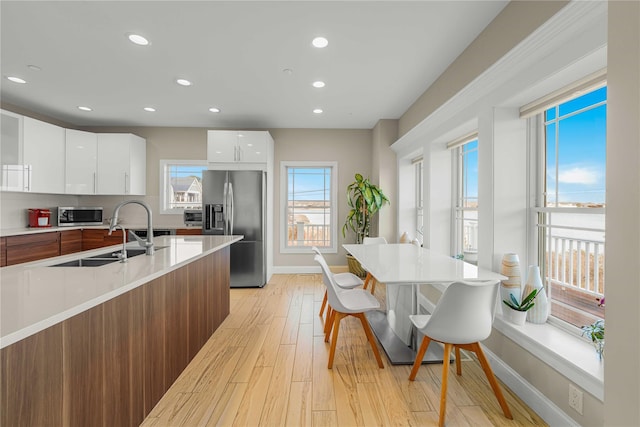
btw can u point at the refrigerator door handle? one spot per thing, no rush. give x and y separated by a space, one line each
225 208
231 213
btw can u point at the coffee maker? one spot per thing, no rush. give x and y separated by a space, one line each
39 217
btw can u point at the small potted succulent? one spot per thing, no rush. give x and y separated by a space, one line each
595 332
517 311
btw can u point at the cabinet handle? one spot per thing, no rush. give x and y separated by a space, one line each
95 183
126 178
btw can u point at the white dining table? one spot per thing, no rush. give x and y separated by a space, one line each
403 268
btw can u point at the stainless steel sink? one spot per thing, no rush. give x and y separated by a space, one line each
102 259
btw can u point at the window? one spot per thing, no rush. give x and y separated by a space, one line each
180 185
419 176
466 201
571 206
308 194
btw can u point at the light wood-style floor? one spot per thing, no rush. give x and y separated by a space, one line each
267 366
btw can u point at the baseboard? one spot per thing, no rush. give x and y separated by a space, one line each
303 269
545 408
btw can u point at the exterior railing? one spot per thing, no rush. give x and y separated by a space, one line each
301 234
576 262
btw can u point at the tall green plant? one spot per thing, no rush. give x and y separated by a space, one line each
365 200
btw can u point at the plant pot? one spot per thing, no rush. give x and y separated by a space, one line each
355 267
599 346
514 316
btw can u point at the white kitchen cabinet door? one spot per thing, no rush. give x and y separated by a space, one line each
15 176
252 146
81 162
222 146
122 164
44 151
238 147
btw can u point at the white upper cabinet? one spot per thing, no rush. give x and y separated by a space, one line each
44 151
122 164
239 147
81 159
14 175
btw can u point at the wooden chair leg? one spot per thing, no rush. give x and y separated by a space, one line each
416 364
492 380
331 315
373 286
334 338
372 341
367 280
458 364
324 303
445 379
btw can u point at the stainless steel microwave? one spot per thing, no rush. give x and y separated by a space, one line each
70 216
192 217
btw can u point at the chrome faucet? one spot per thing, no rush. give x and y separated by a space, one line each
122 256
145 243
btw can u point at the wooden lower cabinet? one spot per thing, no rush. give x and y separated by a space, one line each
32 247
98 238
110 365
188 231
70 242
3 251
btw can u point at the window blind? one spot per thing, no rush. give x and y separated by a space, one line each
462 140
587 84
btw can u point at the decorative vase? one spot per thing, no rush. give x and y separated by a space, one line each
404 238
512 285
539 313
514 316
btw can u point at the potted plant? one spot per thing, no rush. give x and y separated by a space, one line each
595 332
517 312
365 199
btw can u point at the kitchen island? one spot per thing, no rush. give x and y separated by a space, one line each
101 345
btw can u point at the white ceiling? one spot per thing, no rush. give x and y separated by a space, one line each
381 56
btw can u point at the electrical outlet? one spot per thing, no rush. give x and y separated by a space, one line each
575 398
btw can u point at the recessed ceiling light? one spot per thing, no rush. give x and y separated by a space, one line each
287 71
183 82
318 84
149 109
138 39
34 67
214 110
320 42
16 79
317 110
83 108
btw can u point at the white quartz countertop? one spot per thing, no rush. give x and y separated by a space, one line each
35 296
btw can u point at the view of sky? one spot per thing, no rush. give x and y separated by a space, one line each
309 183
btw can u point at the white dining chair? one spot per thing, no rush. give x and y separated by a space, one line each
462 318
352 302
370 278
343 280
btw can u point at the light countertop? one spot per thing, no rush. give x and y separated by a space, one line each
34 296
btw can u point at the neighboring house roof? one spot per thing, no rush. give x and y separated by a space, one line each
186 184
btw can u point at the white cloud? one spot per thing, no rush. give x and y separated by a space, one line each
578 176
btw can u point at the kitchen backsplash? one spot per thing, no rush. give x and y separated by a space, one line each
13 209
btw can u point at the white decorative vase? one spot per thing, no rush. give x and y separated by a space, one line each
514 316
513 284
539 313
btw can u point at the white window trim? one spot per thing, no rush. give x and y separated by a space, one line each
283 205
163 184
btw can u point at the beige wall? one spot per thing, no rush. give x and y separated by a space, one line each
385 174
516 21
622 363
352 149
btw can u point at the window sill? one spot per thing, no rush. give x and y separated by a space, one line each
570 355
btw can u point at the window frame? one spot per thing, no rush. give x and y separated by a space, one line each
284 184
459 209
541 214
163 182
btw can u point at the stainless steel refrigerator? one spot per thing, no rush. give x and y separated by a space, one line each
234 202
